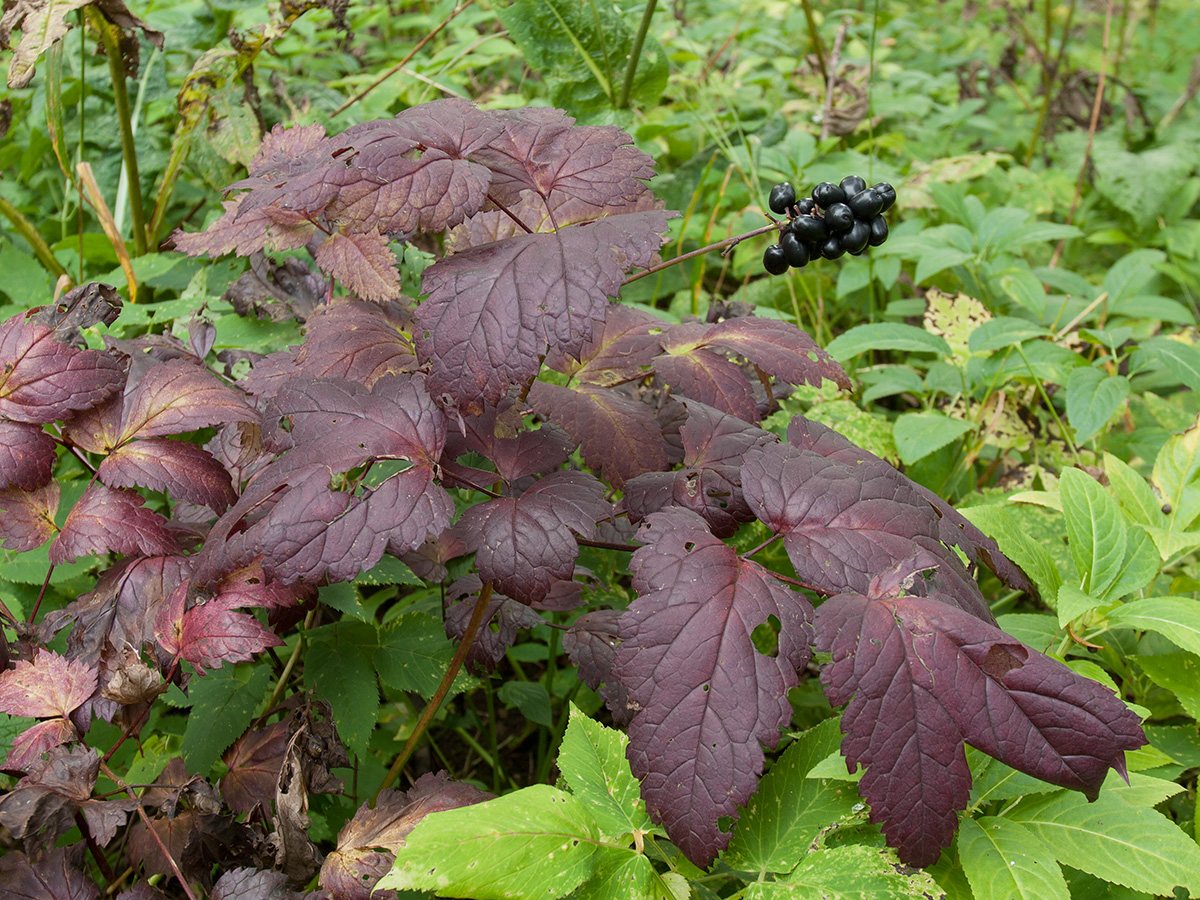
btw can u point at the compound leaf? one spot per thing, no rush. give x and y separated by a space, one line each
222 705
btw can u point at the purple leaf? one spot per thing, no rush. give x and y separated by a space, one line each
183 470
922 677
528 453
179 396
80 307
778 348
253 884
362 261
26 456
620 436
254 762
707 700
51 685
494 311
96 430
42 379
210 634
524 545
55 876
622 349
30 744
698 373
591 644
501 622
246 230
28 516
106 520
954 528
278 291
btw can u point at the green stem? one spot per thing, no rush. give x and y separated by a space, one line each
635 54
439 695
1050 406
26 229
116 69
166 187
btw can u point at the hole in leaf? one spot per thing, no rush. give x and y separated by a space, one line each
704 688
725 823
766 637
689 546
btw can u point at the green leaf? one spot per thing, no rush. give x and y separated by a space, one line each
1114 840
919 434
344 597
1175 470
530 697
338 665
414 655
592 761
1093 398
10 727
1180 359
994 780
1133 493
852 872
1073 603
1015 543
1179 673
1096 529
536 842
389 570
1174 618
222 706
934 261
1140 566
790 809
886 336
996 334
622 875
1004 860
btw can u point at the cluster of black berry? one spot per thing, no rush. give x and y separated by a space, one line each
836 219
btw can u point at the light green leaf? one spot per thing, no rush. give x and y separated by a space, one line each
1096 529
1114 840
886 336
1004 332
1139 568
622 875
222 706
592 760
994 780
338 665
1093 398
1175 472
933 261
1180 359
1006 861
1038 631
853 872
919 434
1024 288
1171 543
389 570
998 522
1174 618
414 655
790 809
1179 673
1073 603
536 842
1133 493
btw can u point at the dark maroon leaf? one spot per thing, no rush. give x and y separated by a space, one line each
254 762
80 307
246 229
179 396
502 620
42 379
253 884
239 448
55 876
700 374
212 633
253 587
524 545
543 150
707 700
778 348
494 311
535 452
356 340
620 436
51 685
591 644
922 677
622 349
96 430
954 529
27 517
183 470
27 456
363 262
278 290
367 844
107 520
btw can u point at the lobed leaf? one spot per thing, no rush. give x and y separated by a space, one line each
105 520
179 396
183 470
27 456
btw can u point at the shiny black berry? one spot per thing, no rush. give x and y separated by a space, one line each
774 261
809 229
879 231
852 185
855 240
838 218
826 194
805 205
795 251
866 204
887 193
783 195
832 248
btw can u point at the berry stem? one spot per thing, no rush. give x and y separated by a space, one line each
724 246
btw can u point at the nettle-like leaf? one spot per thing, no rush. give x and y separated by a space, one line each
106 520
27 456
524 545
922 677
43 379
210 634
494 311
178 396
708 701
28 516
183 470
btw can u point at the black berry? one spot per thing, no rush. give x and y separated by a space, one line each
809 228
805 205
838 218
832 248
855 240
827 194
866 204
879 231
783 195
795 251
852 185
886 193
774 261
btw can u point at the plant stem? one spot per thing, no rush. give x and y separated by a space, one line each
814 35
97 854
635 54
1049 73
724 245
116 69
26 229
435 702
290 664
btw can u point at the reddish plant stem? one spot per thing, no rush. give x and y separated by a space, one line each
435 702
504 209
97 854
150 828
42 593
724 246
